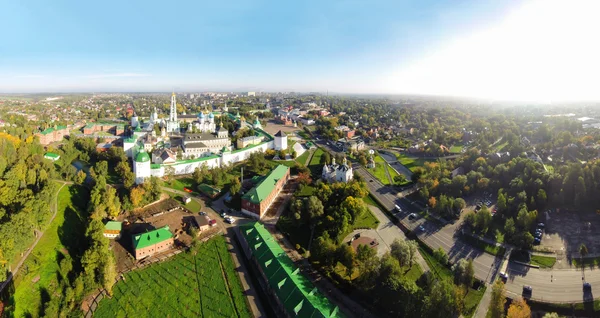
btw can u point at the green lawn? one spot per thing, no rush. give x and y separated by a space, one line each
303 158
414 273
412 162
63 236
472 299
379 172
180 183
457 148
439 270
488 248
367 220
194 206
587 261
306 191
543 261
500 146
369 200
303 134
315 165
188 285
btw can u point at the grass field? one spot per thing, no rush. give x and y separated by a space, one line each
303 158
543 261
188 285
500 146
315 164
306 191
411 163
457 148
472 299
193 206
369 200
367 220
179 184
488 248
62 236
587 261
438 269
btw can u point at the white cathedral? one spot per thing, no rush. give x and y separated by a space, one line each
337 173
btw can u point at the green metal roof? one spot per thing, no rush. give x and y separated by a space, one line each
298 295
142 156
264 188
130 140
51 129
113 225
151 238
52 155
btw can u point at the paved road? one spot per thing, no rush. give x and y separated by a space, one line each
39 236
434 235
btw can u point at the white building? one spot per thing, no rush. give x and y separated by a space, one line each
172 122
337 173
205 123
202 144
251 93
141 167
280 141
134 120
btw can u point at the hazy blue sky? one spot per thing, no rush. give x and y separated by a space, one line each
344 46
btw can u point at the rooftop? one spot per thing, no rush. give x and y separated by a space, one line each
298 295
51 155
151 238
264 188
113 225
51 129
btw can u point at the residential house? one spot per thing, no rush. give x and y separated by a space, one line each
150 243
112 230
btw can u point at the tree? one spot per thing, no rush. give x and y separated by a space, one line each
80 177
314 209
441 301
509 227
136 196
235 186
404 251
432 202
441 256
362 160
170 174
497 300
464 272
501 203
325 158
518 309
101 168
294 154
345 255
304 178
113 204
551 315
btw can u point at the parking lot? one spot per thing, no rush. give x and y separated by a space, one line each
567 230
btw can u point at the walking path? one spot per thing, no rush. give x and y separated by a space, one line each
39 236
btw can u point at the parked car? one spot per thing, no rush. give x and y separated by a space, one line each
224 215
537 240
587 286
412 216
202 213
541 225
527 291
229 220
503 277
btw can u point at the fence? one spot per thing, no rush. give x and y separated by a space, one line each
101 292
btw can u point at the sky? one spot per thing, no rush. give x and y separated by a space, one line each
535 50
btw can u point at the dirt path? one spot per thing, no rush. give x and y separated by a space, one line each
39 236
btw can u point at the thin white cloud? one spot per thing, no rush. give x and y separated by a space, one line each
30 76
118 75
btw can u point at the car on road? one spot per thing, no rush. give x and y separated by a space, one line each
224 215
202 213
187 190
229 220
371 180
412 216
421 228
527 291
357 235
503 277
398 208
587 287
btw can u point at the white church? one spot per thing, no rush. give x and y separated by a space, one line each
337 173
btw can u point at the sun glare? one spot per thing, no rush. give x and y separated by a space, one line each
543 51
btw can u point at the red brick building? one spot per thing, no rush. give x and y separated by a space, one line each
115 129
53 134
153 242
258 200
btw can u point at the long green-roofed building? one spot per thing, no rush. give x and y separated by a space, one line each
293 293
258 200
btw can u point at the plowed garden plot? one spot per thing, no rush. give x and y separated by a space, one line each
188 285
